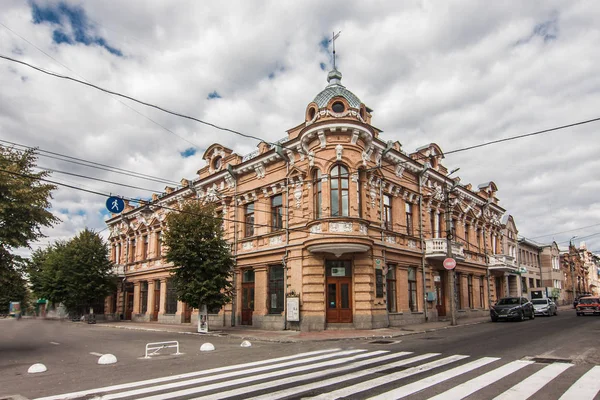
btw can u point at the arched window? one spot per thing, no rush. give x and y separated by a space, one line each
339 183
317 194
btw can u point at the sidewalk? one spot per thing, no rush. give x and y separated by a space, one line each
249 333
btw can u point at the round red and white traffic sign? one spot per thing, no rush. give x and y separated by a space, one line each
450 263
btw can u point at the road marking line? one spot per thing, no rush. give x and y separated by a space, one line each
528 387
319 375
586 387
96 354
54 343
429 381
465 389
240 381
81 393
366 385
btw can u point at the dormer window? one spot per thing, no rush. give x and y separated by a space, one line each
338 107
217 162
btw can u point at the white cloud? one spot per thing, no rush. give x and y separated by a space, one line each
453 73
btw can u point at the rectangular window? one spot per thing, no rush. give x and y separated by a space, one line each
478 231
159 244
481 292
317 193
132 251
275 298
409 219
378 283
432 223
412 289
538 283
171 306
145 247
467 230
390 284
118 260
470 290
114 253
458 292
144 296
453 230
249 219
276 212
387 212
530 283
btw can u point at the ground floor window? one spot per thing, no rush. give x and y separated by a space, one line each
481 292
412 289
171 306
458 291
144 296
276 289
470 290
390 284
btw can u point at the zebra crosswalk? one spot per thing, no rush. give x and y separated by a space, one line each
365 374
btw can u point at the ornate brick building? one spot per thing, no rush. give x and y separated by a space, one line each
333 215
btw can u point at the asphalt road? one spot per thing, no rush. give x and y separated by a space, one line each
71 350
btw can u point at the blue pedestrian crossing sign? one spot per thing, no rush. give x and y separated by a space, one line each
115 205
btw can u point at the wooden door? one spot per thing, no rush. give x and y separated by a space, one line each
187 313
339 299
440 291
156 305
129 306
247 302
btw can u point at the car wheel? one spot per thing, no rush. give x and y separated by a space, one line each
522 316
556 311
494 319
579 315
532 315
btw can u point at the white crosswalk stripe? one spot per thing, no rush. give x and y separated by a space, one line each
361 374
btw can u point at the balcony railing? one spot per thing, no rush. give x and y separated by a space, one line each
438 249
501 262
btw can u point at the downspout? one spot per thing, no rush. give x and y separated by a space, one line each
487 268
423 274
235 233
287 241
125 277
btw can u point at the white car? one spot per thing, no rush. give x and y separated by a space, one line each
544 307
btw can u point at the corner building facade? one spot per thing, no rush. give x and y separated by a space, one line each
333 217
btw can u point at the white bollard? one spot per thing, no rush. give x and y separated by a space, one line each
207 347
107 359
37 368
246 343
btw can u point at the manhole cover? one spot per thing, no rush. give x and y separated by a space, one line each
383 342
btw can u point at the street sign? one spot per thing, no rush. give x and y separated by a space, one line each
115 205
450 263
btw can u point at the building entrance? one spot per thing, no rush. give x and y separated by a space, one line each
440 295
339 291
247 296
157 299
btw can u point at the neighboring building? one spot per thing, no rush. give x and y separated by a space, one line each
529 266
333 215
590 262
503 264
575 272
553 279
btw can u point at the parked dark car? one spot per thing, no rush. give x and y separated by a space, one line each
577 298
515 308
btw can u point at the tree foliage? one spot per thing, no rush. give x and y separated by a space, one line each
76 273
24 204
194 238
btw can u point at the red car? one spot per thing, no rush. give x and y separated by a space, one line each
588 305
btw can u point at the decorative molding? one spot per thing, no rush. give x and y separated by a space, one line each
311 159
248 245
400 170
322 138
324 178
275 240
412 244
365 158
291 157
355 135
298 194
340 227
362 228
373 195
338 152
315 229
390 239
260 170
354 177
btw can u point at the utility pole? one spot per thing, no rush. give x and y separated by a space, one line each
451 273
572 264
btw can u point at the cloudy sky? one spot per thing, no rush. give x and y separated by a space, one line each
454 73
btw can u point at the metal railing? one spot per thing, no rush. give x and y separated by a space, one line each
156 347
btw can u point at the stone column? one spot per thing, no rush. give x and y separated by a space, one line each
261 291
151 298
136 298
163 296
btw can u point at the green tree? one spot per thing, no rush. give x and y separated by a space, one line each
76 273
194 238
24 211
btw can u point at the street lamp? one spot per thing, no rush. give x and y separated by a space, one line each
449 238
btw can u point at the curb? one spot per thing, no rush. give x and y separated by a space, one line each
294 340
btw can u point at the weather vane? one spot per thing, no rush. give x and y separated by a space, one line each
333 37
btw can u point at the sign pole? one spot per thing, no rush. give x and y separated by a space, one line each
451 274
